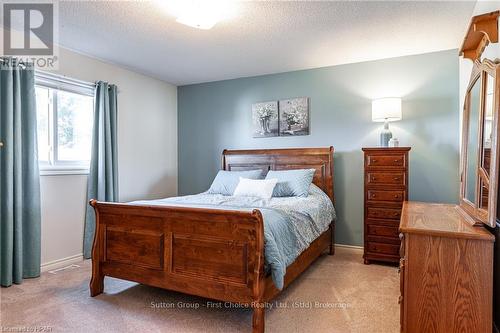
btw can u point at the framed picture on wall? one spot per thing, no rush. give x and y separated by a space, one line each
265 119
294 116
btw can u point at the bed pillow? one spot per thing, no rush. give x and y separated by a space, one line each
226 181
262 188
292 183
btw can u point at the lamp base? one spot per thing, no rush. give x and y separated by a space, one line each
385 135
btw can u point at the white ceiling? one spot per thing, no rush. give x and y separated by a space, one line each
264 37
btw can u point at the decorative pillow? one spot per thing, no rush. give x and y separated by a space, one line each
226 181
292 183
262 188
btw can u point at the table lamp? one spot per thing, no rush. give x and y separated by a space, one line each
386 110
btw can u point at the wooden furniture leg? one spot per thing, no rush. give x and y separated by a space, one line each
258 318
96 284
97 280
332 242
259 285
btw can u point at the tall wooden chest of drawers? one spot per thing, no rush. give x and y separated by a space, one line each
386 187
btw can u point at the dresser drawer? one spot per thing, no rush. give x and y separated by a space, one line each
382 230
379 178
383 213
394 160
381 222
381 195
391 249
382 239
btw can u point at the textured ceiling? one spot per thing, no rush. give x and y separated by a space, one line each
263 37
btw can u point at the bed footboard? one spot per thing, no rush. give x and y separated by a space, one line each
212 253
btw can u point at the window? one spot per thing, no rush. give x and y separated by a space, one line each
65 111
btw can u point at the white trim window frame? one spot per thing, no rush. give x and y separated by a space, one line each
55 83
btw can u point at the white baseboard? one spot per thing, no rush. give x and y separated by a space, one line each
350 247
55 264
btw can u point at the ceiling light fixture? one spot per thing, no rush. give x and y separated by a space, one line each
200 14
197 19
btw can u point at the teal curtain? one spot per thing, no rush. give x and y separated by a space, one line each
19 176
103 175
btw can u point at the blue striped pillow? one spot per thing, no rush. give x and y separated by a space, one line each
292 183
226 181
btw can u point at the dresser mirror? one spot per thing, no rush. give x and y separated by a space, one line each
472 140
480 149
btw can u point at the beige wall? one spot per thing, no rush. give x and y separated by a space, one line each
147 153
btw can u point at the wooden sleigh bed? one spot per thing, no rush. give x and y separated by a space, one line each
217 254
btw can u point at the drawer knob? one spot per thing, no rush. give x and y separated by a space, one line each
396 178
373 195
373 179
396 161
374 160
396 196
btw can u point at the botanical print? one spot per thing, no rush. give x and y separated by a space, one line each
294 116
265 119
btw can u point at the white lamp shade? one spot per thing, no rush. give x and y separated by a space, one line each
386 109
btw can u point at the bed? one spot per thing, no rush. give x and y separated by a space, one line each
209 252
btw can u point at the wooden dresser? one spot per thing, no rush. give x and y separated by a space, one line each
386 187
446 271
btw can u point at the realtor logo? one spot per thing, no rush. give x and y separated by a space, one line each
37 22
29 31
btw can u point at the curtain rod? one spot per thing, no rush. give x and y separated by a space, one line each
61 77
49 75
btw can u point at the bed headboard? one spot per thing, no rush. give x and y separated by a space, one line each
320 159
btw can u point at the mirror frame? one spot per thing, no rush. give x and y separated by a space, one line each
479 215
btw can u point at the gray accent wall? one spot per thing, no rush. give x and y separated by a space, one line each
217 115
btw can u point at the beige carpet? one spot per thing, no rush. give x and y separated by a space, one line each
336 294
